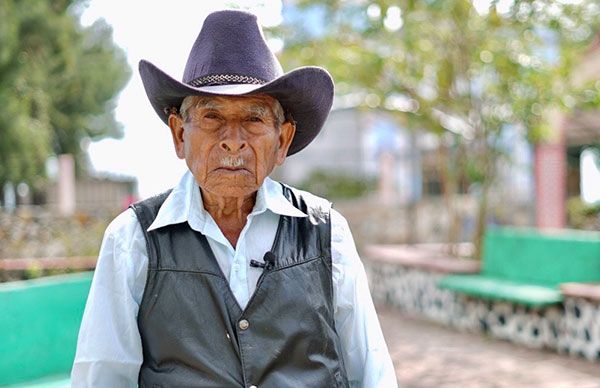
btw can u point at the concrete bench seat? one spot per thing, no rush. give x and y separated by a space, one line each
590 291
422 256
527 266
533 295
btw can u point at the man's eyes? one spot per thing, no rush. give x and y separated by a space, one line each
255 119
211 116
215 116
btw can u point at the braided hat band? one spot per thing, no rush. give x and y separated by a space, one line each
225 79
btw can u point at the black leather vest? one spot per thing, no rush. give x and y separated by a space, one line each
194 333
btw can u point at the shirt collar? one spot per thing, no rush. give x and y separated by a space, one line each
184 203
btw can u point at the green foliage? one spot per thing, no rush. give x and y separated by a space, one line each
582 215
337 186
454 70
58 81
449 61
33 272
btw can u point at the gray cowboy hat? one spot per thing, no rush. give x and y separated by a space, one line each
230 57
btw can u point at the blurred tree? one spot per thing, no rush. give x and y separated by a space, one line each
462 69
58 81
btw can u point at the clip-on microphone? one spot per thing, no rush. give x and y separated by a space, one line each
269 261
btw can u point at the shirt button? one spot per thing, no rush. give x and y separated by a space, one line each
244 324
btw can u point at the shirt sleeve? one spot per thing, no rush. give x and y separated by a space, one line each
366 357
109 349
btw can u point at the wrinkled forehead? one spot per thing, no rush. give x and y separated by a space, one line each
259 103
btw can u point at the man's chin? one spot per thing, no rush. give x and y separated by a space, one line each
232 184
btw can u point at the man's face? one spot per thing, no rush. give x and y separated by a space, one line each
231 144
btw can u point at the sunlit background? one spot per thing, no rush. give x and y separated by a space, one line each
144 150
162 34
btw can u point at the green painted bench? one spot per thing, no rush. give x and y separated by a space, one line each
527 266
39 323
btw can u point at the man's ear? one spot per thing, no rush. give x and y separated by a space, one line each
286 134
176 125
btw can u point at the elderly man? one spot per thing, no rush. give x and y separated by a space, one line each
232 279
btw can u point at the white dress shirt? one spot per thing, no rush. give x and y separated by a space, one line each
109 350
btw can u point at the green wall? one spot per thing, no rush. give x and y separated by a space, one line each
39 323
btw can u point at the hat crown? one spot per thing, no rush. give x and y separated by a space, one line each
230 48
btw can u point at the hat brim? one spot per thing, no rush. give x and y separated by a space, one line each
306 93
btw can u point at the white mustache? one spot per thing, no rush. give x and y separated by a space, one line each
232 162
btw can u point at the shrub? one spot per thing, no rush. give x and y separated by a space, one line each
337 185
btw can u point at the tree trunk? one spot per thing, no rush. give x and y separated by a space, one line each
488 159
481 222
412 210
449 190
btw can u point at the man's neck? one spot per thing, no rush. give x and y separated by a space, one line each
229 213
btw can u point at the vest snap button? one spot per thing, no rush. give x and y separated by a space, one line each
244 324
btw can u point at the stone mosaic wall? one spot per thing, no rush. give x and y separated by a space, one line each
44 234
582 328
570 328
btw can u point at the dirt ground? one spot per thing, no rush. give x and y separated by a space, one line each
426 354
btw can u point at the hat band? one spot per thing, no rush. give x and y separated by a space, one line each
225 79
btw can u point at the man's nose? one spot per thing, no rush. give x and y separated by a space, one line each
233 140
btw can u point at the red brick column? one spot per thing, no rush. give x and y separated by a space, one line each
551 182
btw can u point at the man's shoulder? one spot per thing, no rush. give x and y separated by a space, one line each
147 210
123 227
307 196
317 208
151 204
336 218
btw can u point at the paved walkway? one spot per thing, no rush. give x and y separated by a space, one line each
429 355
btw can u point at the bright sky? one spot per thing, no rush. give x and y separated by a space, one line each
163 33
